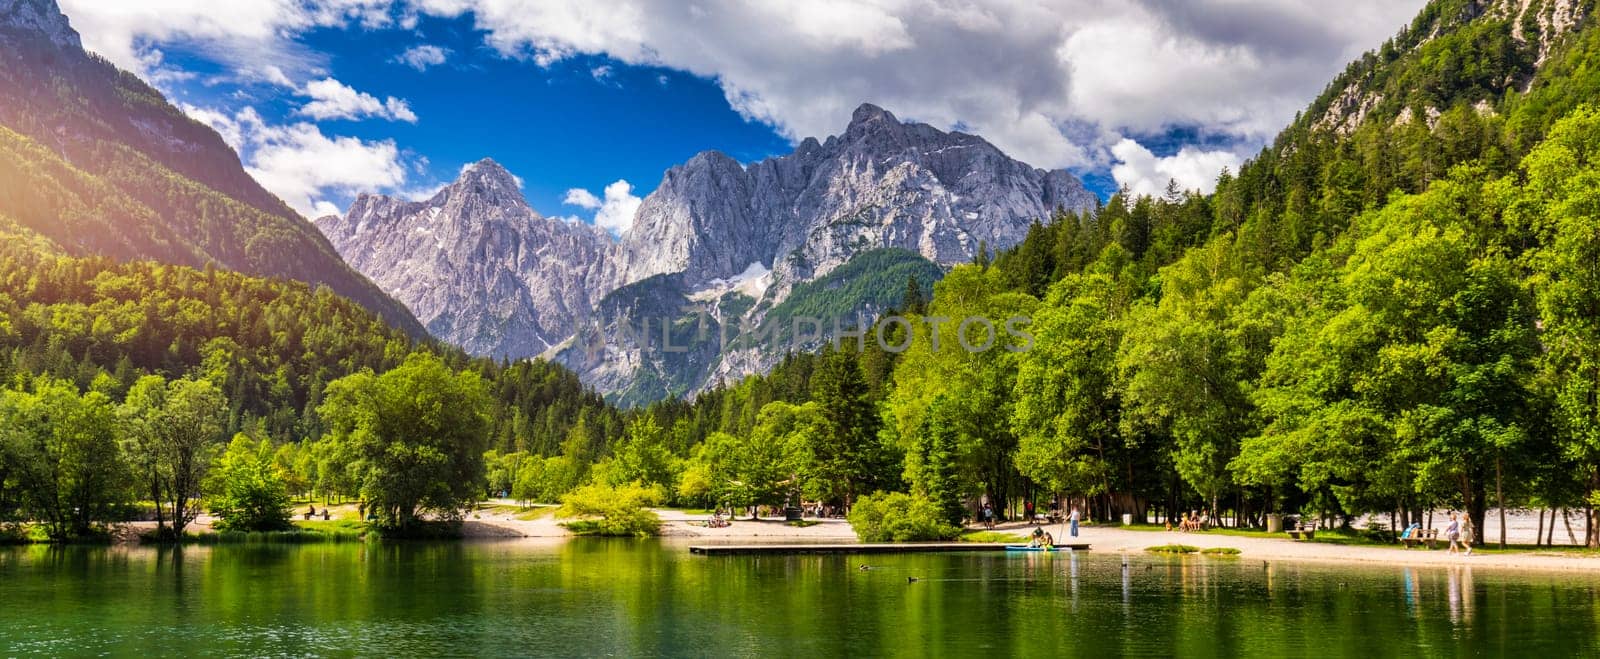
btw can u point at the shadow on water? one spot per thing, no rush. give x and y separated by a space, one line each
632 597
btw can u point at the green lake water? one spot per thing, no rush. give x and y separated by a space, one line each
647 598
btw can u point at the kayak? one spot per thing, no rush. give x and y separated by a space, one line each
1043 549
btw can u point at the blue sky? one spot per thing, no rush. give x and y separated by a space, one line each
571 125
578 95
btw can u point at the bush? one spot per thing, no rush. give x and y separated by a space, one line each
1220 551
620 511
899 517
1172 549
248 491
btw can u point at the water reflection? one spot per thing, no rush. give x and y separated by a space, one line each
631 598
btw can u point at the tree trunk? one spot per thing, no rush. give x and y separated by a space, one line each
1538 537
1591 535
1476 510
1568 522
1500 498
1550 533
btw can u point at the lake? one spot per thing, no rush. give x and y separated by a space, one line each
631 598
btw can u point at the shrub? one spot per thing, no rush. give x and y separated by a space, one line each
248 491
1172 549
1220 551
612 510
899 517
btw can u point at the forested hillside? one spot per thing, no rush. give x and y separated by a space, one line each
1393 307
97 160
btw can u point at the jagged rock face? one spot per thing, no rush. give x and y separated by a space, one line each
477 265
38 17
882 183
484 271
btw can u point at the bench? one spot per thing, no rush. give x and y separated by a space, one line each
1420 536
1303 531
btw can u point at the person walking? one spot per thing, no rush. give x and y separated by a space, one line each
1073 519
988 517
1466 533
1453 533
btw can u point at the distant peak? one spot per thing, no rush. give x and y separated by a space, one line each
488 171
868 113
488 178
42 17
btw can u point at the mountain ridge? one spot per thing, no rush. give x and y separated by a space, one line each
139 179
769 225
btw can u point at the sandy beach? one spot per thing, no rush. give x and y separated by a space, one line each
505 519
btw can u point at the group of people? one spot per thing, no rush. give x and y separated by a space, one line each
1194 520
987 516
1041 538
312 512
1459 533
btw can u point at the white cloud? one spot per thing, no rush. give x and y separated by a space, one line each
614 212
304 166
331 99
582 199
422 57
249 36
1146 174
1029 76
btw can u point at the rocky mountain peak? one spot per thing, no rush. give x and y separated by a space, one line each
41 17
488 181
867 114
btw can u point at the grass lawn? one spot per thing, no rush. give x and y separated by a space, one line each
993 536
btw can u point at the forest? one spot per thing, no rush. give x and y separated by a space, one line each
1386 311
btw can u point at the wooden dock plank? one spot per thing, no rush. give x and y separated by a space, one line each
855 548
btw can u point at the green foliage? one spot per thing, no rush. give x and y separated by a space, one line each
846 457
1220 551
873 280
641 456
899 517
1172 549
141 180
762 468
412 439
612 511
1068 407
59 451
931 462
174 431
247 489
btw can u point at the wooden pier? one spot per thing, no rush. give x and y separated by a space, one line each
855 548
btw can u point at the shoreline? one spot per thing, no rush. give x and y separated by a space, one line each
502 520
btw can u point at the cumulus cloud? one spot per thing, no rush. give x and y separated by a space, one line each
613 212
1144 173
331 99
301 164
1027 75
582 199
422 57
248 36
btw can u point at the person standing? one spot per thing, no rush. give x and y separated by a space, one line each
988 517
1027 509
1072 518
1453 533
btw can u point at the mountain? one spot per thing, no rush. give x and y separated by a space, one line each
717 243
477 265
1468 82
880 184
99 162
